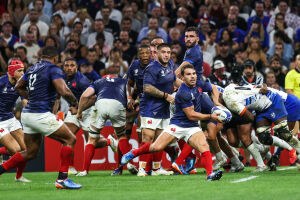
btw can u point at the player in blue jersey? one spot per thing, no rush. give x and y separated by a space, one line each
184 124
11 133
159 80
193 54
135 76
44 80
77 83
111 102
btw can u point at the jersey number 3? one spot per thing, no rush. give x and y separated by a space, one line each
32 79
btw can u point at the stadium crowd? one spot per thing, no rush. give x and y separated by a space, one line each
240 41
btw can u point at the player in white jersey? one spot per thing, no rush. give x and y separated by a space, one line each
269 107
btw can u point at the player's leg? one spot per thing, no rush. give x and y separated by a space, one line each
244 133
18 135
198 142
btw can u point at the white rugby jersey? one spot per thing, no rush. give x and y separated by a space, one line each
239 98
281 93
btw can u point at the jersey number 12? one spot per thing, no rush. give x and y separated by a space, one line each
32 79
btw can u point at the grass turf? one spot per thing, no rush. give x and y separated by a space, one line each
100 185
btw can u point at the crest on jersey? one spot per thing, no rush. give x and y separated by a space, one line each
136 72
173 130
74 84
1 130
199 89
149 122
273 115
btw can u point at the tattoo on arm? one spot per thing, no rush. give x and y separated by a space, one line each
153 91
69 96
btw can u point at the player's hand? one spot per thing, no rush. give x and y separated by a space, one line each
264 89
214 117
130 104
170 99
73 110
79 116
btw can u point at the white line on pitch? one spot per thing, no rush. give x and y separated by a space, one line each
287 168
244 179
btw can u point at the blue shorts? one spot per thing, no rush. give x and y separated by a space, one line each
206 106
292 106
274 112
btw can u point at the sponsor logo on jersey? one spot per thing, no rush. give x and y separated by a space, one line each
149 121
273 115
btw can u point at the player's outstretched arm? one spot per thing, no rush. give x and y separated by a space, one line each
153 91
194 116
86 100
21 88
64 91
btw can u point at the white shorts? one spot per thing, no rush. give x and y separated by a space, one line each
40 123
8 126
109 109
182 133
86 119
152 123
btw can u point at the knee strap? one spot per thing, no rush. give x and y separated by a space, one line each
282 131
264 135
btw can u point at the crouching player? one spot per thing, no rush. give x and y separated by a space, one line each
11 134
110 105
184 124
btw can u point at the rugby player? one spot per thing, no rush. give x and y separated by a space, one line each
11 133
44 80
184 124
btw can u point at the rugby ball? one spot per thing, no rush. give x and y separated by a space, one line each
224 114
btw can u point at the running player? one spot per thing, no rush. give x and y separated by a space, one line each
11 133
184 124
78 83
110 105
44 80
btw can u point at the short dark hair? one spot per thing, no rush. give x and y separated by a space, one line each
92 50
193 28
188 66
162 45
100 36
143 46
126 19
49 52
105 7
70 59
77 23
23 48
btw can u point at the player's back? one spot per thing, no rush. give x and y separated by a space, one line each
42 92
111 88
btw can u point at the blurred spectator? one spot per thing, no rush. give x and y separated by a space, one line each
256 53
78 28
240 22
129 51
21 51
47 8
114 14
7 37
219 77
54 33
145 40
137 11
271 80
291 20
51 41
81 49
297 39
65 11
282 47
204 29
207 56
92 6
292 79
93 60
34 19
88 70
174 35
268 9
210 43
37 37
250 76
116 63
136 25
31 47
181 26
240 56
177 50
99 28
38 5
259 14
257 30
63 30
18 10
238 35
126 25
280 24
152 24
110 25
225 55
151 34
217 10
155 12
279 70
226 35
182 12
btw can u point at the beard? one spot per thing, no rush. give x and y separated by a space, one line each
162 61
192 44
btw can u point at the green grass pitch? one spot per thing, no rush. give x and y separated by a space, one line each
100 185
